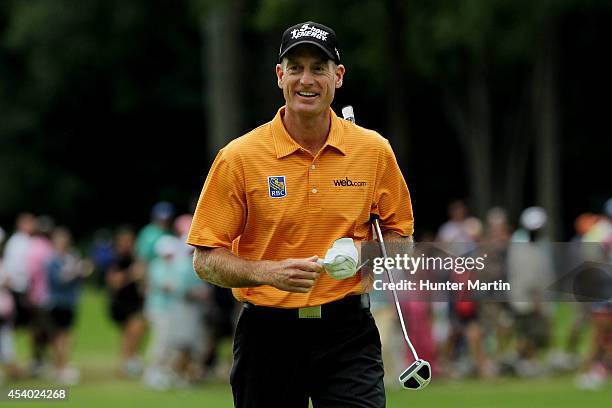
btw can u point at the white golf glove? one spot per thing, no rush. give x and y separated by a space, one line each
341 259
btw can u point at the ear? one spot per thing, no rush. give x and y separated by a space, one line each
279 75
340 70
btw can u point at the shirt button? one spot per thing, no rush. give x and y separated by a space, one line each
314 190
313 167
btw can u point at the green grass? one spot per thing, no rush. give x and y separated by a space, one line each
95 353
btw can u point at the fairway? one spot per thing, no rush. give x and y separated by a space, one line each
95 354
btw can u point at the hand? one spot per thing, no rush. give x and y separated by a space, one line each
341 259
294 275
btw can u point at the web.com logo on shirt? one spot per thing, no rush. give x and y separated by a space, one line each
345 182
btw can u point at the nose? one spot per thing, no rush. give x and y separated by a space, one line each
307 77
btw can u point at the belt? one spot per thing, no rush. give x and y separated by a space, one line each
338 308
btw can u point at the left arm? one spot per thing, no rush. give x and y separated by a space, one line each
399 244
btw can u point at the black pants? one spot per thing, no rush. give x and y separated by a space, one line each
282 361
23 309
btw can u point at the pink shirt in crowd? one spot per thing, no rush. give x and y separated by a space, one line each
40 254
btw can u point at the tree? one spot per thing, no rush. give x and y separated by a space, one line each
468 48
221 24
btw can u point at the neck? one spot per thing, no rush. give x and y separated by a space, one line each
310 132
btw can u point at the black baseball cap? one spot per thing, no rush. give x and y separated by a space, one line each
310 33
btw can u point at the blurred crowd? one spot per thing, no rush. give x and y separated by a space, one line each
40 280
522 333
154 294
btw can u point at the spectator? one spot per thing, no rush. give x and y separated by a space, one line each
15 268
7 314
530 271
102 255
454 230
40 253
418 313
14 276
7 309
125 281
66 272
161 216
186 312
159 295
497 316
466 326
598 365
582 310
497 229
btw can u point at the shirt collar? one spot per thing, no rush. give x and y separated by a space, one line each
285 145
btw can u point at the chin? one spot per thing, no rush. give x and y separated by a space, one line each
307 110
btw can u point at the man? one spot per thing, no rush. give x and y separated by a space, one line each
282 195
15 270
456 228
161 218
15 276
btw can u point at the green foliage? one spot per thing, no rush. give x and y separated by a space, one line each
74 76
446 37
96 94
272 12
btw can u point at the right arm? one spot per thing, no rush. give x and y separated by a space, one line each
219 218
223 268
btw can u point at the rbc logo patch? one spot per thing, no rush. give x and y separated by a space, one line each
277 187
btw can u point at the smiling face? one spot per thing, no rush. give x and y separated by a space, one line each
308 80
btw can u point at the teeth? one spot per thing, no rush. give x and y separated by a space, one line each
306 93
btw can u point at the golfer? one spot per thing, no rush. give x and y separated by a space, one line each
280 219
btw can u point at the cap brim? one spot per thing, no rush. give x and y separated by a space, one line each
302 42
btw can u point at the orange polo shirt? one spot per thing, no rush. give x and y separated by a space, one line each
281 202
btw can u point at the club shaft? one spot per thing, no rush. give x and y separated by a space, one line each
390 275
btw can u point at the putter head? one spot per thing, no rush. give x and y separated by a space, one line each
417 376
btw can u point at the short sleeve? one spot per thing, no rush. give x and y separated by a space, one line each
391 196
220 215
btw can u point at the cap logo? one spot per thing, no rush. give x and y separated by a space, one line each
309 31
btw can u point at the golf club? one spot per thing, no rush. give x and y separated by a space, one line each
418 375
